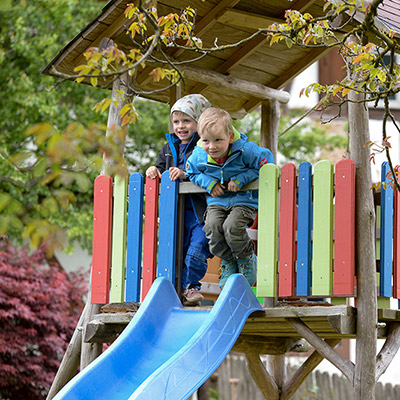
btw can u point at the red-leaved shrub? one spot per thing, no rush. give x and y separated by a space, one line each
40 305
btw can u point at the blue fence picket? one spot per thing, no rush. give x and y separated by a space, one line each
386 264
168 213
304 227
134 237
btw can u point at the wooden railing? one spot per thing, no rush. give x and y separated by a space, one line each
306 234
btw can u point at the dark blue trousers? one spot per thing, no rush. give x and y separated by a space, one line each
195 250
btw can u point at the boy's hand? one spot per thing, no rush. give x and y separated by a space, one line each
217 190
176 173
153 172
233 187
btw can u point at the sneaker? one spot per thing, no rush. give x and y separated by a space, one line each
192 297
227 269
248 268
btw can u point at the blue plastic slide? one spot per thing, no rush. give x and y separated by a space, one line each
166 352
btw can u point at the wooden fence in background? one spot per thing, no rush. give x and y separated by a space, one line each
232 381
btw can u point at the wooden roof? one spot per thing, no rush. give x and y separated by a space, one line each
256 63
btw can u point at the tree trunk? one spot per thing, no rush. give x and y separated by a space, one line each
364 378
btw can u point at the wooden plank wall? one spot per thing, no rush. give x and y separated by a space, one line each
306 234
306 220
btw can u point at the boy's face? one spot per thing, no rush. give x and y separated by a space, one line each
216 143
184 126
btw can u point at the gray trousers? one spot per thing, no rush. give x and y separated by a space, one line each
225 228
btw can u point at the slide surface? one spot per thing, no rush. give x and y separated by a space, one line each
166 352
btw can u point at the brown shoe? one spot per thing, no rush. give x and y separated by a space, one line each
192 297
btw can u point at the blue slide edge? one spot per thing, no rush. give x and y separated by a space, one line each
112 375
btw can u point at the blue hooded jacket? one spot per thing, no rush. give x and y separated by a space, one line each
242 166
168 157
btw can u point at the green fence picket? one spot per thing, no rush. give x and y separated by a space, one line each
322 274
118 258
267 241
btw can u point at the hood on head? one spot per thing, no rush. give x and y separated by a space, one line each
192 105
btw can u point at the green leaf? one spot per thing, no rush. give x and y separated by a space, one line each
83 181
19 159
289 43
40 167
5 200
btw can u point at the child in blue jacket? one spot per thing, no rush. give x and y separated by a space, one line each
172 157
222 163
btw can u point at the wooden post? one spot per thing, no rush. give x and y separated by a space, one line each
70 362
175 93
270 115
364 379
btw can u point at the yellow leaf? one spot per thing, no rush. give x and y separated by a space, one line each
125 120
345 91
79 68
358 58
41 130
93 81
125 109
106 104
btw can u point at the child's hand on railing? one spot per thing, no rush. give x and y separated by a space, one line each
153 172
176 173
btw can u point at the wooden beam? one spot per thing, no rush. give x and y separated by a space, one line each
235 59
302 5
99 332
269 345
248 48
388 351
113 30
244 19
290 73
300 66
70 362
202 26
212 16
242 53
345 366
209 77
292 384
261 377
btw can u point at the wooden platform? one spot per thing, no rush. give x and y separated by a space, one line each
268 332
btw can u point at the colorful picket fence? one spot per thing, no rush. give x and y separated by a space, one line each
306 234
325 266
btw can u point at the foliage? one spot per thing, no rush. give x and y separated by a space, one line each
30 37
39 307
151 34
47 170
105 63
147 136
307 140
363 46
213 394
